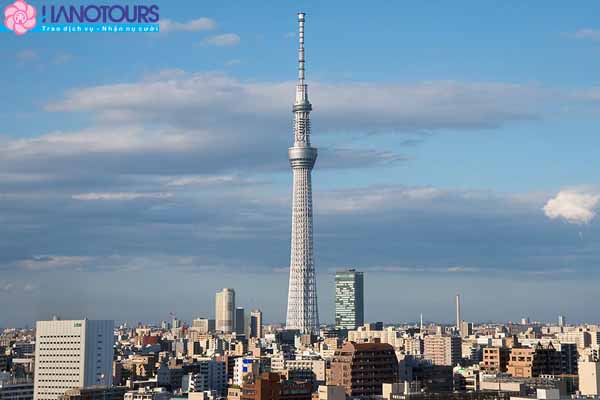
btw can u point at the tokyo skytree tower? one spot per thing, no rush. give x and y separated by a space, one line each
302 311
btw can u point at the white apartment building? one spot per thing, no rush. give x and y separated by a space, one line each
72 354
244 366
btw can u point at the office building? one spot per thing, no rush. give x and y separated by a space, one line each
72 354
349 299
443 350
362 368
95 393
240 324
12 388
225 310
302 308
256 329
203 325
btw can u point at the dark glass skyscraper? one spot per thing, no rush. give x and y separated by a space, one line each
349 299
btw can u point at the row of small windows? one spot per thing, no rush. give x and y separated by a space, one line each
57 336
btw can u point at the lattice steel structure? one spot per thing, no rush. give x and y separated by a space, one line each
302 311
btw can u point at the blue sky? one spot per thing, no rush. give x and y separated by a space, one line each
458 152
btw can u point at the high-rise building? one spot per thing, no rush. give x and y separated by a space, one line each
362 368
561 320
302 309
240 318
256 330
225 310
349 299
443 350
72 354
458 318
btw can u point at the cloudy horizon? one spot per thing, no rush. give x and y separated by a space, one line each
452 158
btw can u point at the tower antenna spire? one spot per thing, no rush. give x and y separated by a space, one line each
301 16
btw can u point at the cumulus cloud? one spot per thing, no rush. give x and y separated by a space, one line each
225 39
575 207
195 25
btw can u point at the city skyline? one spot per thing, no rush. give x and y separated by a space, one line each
456 156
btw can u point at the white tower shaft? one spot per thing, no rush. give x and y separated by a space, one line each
302 311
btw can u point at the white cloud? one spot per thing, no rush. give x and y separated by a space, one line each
218 99
587 33
195 25
575 207
44 262
203 180
122 196
225 39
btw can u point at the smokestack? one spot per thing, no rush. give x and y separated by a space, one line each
458 313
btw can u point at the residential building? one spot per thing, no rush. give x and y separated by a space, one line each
361 368
206 375
443 350
589 377
270 386
495 359
528 362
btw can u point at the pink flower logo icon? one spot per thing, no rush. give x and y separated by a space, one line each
19 17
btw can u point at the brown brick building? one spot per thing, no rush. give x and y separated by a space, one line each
528 362
361 368
495 359
270 386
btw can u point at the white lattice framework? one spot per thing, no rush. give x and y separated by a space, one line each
302 311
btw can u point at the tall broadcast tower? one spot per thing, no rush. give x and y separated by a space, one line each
302 312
